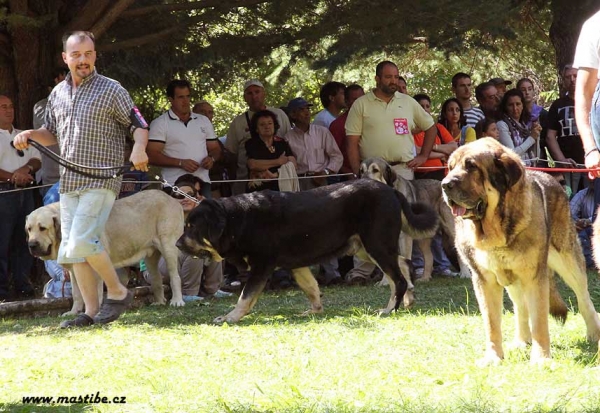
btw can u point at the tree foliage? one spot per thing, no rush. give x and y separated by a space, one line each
294 45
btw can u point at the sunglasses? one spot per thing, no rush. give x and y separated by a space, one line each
19 152
177 195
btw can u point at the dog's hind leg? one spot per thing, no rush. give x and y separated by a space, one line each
306 281
570 265
155 279
259 275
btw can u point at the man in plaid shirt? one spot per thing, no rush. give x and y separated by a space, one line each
89 115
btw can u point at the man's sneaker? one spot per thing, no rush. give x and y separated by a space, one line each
192 298
222 294
419 272
446 273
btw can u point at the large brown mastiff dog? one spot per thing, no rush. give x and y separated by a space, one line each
514 229
143 226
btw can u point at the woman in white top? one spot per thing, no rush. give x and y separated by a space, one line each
513 129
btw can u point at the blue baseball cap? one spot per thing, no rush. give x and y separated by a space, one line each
298 103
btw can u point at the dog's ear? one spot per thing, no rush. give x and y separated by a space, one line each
216 220
389 175
509 171
57 229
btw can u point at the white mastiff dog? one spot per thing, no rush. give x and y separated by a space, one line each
143 226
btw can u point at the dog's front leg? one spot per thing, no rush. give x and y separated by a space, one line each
259 275
306 281
536 293
489 296
156 281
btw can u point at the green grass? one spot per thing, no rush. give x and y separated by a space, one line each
346 360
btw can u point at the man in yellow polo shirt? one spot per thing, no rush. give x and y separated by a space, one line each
381 122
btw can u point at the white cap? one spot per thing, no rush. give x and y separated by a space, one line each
253 82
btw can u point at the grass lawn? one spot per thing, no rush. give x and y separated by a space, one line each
345 360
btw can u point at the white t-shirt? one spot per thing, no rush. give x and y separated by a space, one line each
10 160
323 118
182 141
587 53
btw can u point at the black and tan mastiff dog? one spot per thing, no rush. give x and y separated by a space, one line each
514 230
265 230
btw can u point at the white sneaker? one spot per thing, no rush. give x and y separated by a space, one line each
447 273
192 298
419 272
222 294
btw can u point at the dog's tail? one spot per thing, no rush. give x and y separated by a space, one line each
419 220
558 307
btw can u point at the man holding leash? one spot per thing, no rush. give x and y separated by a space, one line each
89 115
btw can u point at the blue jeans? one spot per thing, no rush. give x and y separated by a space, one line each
585 236
14 208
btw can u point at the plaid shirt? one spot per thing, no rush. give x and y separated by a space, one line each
91 127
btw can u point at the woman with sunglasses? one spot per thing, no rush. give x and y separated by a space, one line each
199 279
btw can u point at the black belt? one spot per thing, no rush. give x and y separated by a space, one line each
398 163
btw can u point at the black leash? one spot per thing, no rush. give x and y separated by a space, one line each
77 168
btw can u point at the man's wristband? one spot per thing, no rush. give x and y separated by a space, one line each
590 151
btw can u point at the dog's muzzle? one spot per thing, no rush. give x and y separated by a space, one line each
460 205
36 250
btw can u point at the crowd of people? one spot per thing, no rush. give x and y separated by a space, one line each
89 117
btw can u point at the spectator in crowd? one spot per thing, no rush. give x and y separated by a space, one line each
444 146
380 124
402 87
513 129
200 279
452 117
49 173
583 212
462 89
204 108
587 92
17 171
315 150
182 141
487 128
333 101
266 151
487 96
442 149
537 113
317 155
239 130
500 85
563 140
86 202
338 126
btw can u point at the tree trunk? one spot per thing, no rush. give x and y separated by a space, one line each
567 18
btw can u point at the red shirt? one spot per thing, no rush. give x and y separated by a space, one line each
338 130
442 137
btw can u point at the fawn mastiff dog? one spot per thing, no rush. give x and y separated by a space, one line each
514 229
265 230
143 226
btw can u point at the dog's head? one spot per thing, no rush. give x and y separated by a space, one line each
203 232
42 227
480 175
379 170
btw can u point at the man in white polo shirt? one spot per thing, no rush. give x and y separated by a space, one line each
181 141
239 130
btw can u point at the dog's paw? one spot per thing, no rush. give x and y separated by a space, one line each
383 283
424 279
409 299
70 313
465 274
177 303
489 359
224 319
160 301
312 311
